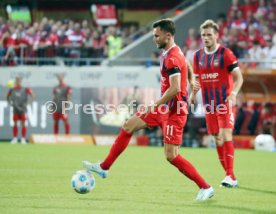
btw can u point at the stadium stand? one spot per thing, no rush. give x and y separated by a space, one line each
247 27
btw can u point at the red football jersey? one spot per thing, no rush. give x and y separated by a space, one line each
214 72
172 63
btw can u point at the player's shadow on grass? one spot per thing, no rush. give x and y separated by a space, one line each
258 190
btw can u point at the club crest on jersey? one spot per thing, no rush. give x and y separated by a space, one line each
216 63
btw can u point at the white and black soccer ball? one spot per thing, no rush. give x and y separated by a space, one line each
83 182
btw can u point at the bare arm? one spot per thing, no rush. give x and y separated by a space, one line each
196 88
190 74
171 91
238 81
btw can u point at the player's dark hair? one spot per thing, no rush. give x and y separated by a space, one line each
210 24
166 25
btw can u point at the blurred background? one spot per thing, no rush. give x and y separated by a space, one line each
106 52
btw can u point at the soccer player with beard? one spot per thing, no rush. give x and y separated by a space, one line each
220 79
17 97
169 112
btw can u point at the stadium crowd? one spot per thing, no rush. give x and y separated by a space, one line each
63 38
248 29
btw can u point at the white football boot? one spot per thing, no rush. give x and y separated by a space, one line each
14 140
229 182
205 194
23 141
95 167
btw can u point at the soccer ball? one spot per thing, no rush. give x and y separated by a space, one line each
83 182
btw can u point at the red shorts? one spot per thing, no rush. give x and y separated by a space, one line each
171 124
21 117
216 121
59 116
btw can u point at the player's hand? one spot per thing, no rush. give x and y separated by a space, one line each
196 87
231 100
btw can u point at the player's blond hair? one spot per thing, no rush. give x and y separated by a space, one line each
210 24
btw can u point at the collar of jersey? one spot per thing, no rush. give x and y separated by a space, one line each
167 51
211 52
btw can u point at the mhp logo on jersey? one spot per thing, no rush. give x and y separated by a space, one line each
209 76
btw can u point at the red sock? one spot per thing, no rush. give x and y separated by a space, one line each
56 127
24 131
67 127
188 170
229 158
221 156
15 131
117 148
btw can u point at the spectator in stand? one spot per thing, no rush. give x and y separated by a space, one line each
62 42
247 8
4 39
41 44
251 20
255 53
239 22
85 26
77 39
235 7
262 10
190 52
266 35
272 20
15 48
98 43
192 37
270 54
113 42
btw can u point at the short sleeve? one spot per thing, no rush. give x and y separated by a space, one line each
172 62
68 91
195 65
29 91
231 61
172 66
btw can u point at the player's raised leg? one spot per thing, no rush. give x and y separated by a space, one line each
121 142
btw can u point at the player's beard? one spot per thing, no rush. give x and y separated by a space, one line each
161 45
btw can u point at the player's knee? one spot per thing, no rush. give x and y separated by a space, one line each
226 135
218 140
128 127
170 156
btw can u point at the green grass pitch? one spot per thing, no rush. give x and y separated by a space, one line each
37 179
